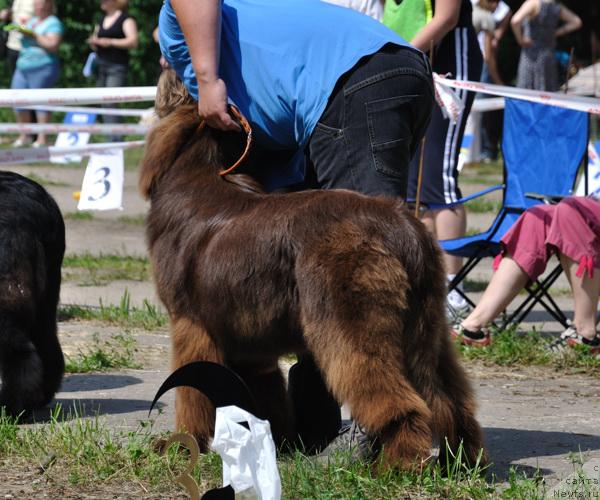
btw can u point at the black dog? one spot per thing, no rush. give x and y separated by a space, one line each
32 245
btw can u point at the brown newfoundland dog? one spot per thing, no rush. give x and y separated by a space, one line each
354 280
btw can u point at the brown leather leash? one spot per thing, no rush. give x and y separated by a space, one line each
241 119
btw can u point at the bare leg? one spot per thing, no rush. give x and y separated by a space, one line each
42 117
446 224
506 283
449 224
585 297
23 116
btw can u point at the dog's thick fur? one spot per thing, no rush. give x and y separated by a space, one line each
354 280
32 245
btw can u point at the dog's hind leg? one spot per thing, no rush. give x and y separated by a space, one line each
194 413
267 386
367 374
453 408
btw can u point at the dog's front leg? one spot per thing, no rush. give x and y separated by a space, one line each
194 413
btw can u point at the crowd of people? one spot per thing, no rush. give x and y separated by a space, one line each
369 125
33 43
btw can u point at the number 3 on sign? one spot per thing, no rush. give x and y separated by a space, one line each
102 184
102 187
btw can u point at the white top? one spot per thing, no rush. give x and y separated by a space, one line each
373 8
22 10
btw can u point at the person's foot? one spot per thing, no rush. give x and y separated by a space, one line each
38 144
478 338
354 440
457 308
21 142
570 338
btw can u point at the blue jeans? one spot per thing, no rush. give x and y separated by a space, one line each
373 122
111 75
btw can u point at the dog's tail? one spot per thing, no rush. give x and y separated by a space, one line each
164 144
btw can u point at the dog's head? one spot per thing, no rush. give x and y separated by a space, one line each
178 140
170 93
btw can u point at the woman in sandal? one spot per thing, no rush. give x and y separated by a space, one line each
38 66
571 230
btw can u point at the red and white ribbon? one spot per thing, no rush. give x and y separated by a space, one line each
10 98
141 113
33 155
569 101
55 128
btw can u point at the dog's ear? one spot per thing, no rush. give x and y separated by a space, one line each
164 143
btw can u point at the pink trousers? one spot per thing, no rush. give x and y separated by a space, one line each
571 227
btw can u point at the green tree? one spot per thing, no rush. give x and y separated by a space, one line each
79 18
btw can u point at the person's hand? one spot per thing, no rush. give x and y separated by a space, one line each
5 15
99 42
526 42
212 105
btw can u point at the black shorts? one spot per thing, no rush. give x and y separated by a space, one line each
459 55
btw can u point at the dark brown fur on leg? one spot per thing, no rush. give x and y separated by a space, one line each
194 413
267 385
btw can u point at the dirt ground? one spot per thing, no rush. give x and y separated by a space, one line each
533 418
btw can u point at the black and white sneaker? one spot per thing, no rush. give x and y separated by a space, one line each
353 439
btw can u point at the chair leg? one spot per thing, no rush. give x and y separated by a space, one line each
537 296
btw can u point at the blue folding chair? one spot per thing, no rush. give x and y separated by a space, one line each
543 148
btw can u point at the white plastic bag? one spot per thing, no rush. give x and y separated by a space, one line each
249 461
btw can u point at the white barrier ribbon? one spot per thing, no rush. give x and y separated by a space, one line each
141 113
55 128
33 155
10 98
569 101
490 104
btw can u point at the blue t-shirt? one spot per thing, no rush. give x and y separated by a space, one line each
280 60
33 56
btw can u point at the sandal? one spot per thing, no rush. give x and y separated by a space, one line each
570 338
480 338
19 143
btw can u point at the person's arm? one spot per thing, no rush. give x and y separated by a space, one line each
130 41
201 26
572 22
48 41
490 58
501 28
529 9
443 21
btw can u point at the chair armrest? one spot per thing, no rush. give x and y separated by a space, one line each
548 199
466 198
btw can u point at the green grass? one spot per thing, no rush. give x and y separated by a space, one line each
136 220
483 205
93 270
511 348
118 352
45 182
79 215
83 455
148 317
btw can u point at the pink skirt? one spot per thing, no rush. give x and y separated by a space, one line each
572 227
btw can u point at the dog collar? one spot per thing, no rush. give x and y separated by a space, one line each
241 119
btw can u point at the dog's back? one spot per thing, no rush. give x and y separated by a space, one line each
32 245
